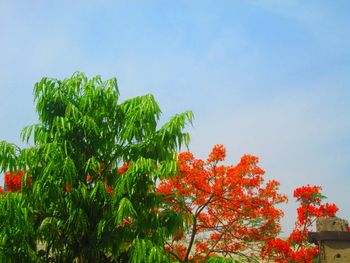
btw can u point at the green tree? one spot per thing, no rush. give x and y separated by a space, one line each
78 207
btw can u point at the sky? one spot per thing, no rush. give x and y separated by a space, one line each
268 78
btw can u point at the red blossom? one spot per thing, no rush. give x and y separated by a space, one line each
124 168
13 181
296 248
217 154
67 187
88 178
231 204
308 193
109 190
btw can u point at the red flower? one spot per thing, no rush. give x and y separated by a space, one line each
124 168
13 181
310 208
308 193
68 187
232 205
88 178
109 190
297 236
217 154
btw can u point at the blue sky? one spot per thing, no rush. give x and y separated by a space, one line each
269 78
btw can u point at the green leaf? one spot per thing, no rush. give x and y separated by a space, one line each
125 210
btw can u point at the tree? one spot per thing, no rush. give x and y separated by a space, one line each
79 208
229 211
297 248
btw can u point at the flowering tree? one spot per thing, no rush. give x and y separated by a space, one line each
226 208
296 248
76 204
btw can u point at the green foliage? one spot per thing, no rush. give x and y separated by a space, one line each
83 130
145 252
17 236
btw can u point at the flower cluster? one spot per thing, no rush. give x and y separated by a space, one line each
231 205
217 154
307 194
13 181
296 248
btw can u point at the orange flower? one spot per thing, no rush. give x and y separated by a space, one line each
230 203
124 168
217 154
68 187
310 208
88 178
13 181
